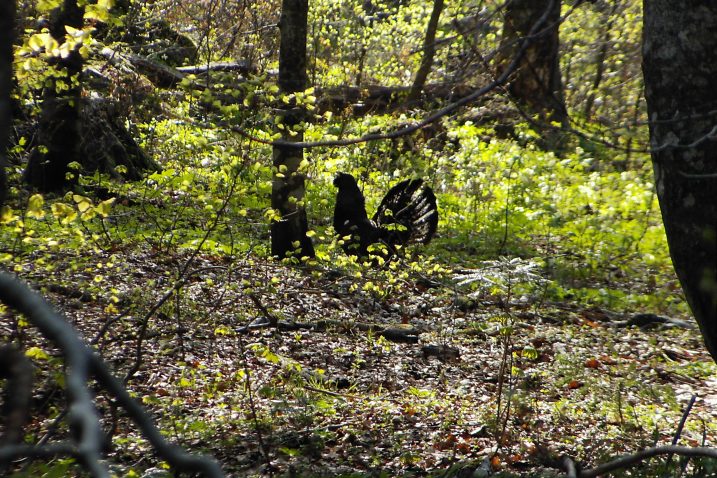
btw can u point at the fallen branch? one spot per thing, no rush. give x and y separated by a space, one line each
159 74
628 461
242 66
398 334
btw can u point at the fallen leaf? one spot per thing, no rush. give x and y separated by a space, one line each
592 363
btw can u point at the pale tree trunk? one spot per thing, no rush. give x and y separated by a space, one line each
605 44
680 70
7 28
288 235
429 51
536 84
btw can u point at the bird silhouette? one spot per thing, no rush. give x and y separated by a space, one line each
407 214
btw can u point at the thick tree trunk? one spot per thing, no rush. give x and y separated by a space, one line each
536 84
59 129
7 28
680 70
288 235
429 51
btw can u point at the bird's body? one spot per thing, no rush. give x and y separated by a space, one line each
407 214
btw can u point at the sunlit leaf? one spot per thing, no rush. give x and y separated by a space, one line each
64 212
36 353
34 206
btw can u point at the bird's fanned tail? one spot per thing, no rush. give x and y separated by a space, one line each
411 205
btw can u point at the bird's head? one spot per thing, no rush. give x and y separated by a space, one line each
343 179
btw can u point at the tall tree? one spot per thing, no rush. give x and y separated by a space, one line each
59 133
429 51
608 19
680 68
7 27
536 83
288 234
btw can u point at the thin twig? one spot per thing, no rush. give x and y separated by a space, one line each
681 426
271 318
181 280
252 407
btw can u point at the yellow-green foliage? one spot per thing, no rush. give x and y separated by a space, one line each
589 216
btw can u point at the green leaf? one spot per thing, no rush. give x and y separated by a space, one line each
290 451
37 353
34 206
103 208
64 212
83 202
38 41
47 5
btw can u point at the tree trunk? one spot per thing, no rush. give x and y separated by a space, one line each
288 235
605 44
7 28
536 84
59 128
680 68
429 51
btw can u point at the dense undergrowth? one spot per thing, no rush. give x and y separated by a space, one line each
521 304
593 231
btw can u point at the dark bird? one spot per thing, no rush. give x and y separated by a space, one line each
407 214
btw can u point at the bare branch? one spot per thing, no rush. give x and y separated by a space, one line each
409 128
84 420
82 414
628 461
16 368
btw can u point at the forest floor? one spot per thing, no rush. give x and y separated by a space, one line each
422 381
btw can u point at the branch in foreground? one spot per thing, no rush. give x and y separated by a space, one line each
83 417
628 461
17 371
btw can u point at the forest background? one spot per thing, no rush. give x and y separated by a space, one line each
153 165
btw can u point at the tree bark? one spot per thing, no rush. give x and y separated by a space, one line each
59 128
680 68
605 44
7 29
429 51
288 234
536 84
